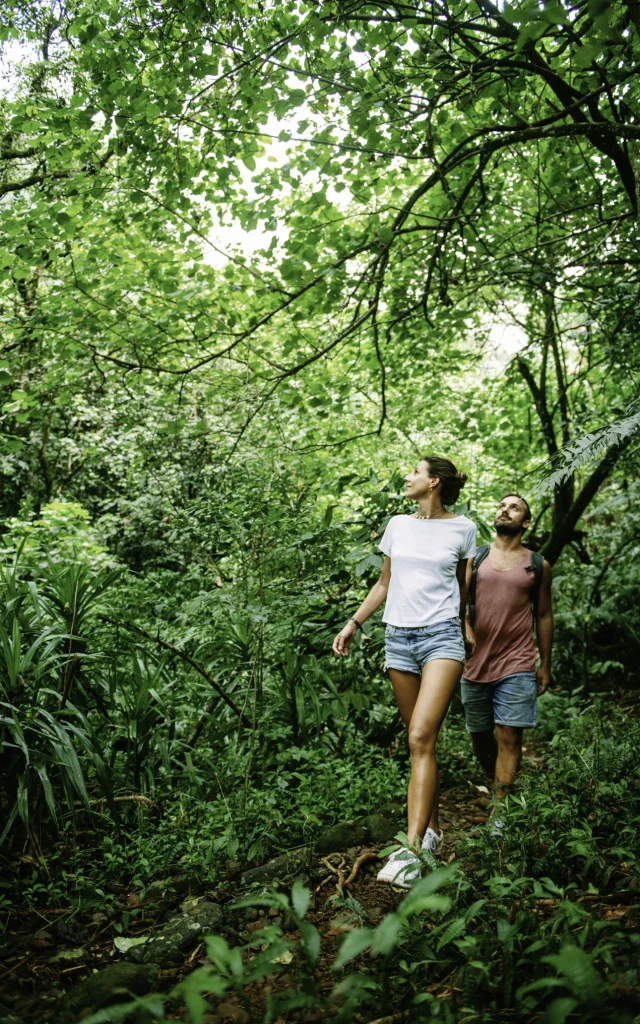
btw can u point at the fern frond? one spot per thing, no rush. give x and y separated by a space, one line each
588 447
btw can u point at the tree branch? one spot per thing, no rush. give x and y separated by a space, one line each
186 658
543 413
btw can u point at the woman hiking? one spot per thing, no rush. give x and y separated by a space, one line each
423 588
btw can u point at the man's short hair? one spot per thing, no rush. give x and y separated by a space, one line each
513 494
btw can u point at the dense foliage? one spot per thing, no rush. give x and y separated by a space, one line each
254 260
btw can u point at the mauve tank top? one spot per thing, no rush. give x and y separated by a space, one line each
504 624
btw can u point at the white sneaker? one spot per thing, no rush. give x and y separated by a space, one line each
497 826
402 869
433 842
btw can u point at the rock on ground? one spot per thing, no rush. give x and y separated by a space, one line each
283 867
341 837
100 989
380 828
178 936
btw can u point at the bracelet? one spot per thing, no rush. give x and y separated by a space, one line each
358 624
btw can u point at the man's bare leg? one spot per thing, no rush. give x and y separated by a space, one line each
486 750
509 740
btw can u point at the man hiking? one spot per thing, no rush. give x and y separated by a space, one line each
500 684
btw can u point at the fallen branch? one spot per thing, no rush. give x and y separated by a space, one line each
202 721
133 798
339 870
185 657
357 864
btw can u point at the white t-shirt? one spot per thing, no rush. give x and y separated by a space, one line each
424 556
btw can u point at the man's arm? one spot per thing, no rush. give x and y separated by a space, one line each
463 572
467 628
544 629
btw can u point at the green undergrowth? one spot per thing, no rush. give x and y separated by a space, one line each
197 833
542 926
200 832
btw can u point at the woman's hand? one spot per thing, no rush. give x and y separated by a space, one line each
345 636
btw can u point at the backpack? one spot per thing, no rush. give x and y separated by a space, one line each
536 567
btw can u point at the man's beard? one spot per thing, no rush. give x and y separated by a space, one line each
508 529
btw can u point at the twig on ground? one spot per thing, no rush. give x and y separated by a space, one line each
191 959
357 864
394 1016
322 883
335 870
10 970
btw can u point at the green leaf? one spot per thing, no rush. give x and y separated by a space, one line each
68 954
124 944
532 31
11 817
577 968
538 984
353 945
23 799
300 898
453 931
559 1010
413 902
310 941
48 791
387 934
586 54
553 13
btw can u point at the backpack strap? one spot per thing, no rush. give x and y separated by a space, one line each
537 568
479 558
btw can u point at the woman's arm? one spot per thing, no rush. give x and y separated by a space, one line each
376 596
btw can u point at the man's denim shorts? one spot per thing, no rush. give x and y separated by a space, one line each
409 648
507 701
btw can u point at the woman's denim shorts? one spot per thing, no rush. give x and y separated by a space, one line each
409 648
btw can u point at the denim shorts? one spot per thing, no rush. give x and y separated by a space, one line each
409 648
507 701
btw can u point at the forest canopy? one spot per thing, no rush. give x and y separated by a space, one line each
256 259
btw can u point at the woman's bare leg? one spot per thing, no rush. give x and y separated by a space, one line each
406 687
439 680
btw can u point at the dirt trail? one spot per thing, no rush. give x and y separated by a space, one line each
462 814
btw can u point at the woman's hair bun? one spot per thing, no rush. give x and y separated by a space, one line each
451 481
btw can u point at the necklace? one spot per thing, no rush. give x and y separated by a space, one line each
438 516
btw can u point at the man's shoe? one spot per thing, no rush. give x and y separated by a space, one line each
433 842
402 869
